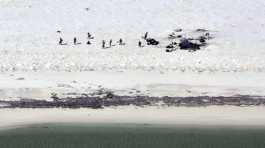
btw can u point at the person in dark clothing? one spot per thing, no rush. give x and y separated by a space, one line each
75 41
145 35
88 42
103 44
140 44
89 35
121 42
110 43
207 35
61 41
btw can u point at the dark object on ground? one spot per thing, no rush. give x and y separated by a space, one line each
103 44
178 30
110 43
109 95
88 43
140 44
201 30
185 44
145 35
172 36
174 43
179 36
171 47
202 39
61 42
151 41
58 31
169 50
55 97
120 42
111 99
75 41
208 36
89 36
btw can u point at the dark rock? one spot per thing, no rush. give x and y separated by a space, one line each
202 39
208 36
178 30
170 50
179 36
151 41
174 43
201 30
172 36
185 44
170 46
109 95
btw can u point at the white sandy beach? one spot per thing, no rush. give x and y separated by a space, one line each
33 65
175 116
40 85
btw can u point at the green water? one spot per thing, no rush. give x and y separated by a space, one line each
130 136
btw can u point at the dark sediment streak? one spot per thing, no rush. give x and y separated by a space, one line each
109 99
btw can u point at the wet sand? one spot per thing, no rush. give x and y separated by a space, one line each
195 116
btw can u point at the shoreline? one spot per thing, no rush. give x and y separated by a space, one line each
213 116
102 99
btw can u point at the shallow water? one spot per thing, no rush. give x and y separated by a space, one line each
130 136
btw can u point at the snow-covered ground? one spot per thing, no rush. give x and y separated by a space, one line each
33 65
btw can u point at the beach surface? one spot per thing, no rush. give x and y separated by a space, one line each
173 116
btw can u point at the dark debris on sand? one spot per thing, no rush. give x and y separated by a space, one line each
110 99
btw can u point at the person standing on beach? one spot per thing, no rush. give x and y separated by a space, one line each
110 43
145 35
140 44
60 41
75 41
103 44
88 35
120 42
88 42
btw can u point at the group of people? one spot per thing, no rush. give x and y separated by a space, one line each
184 44
90 37
120 42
